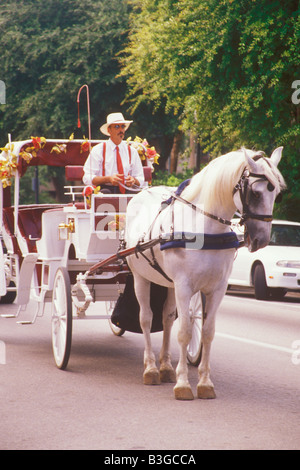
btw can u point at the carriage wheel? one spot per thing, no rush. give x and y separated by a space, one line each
61 318
110 305
194 349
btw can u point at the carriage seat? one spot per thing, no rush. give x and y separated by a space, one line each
75 173
8 223
30 224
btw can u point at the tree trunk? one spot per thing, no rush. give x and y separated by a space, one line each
175 151
193 155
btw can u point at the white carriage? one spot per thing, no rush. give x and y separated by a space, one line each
65 254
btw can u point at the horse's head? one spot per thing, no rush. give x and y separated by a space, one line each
255 194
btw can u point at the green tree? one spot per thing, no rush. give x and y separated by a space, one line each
48 50
226 68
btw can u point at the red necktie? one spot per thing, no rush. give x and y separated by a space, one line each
120 169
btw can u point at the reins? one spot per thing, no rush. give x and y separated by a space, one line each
198 209
242 186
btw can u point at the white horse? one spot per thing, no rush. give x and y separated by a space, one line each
242 180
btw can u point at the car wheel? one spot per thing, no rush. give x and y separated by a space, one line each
262 291
277 293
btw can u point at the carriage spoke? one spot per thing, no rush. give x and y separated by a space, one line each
61 318
194 347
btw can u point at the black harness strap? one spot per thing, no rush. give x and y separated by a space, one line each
154 264
242 187
207 214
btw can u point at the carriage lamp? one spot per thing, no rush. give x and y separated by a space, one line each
65 229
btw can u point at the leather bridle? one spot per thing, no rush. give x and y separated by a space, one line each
245 191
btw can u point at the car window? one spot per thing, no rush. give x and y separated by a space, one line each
285 235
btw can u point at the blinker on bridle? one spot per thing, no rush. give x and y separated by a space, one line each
243 187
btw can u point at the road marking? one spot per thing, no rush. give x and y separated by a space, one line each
275 303
256 343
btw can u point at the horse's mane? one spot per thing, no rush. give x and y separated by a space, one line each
214 184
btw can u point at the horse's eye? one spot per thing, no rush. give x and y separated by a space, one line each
270 187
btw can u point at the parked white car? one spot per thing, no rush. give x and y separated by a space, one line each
273 270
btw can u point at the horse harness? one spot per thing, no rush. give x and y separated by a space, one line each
245 190
223 241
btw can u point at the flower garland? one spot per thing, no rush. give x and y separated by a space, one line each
144 149
31 152
84 146
8 160
88 191
118 223
8 164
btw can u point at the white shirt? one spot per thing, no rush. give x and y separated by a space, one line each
93 164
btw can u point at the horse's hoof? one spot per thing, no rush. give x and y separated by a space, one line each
183 393
205 391
151 377
167 375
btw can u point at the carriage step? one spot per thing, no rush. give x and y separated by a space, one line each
26 272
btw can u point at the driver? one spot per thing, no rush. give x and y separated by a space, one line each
113 163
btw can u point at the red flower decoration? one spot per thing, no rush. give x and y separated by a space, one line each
151 152
88 190
85 146
38 142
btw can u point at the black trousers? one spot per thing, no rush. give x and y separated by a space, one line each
107 189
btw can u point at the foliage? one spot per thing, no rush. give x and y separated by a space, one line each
226 68
221 69
48 50
163 178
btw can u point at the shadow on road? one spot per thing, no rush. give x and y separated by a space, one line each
290 297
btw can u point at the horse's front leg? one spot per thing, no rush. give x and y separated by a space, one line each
182 389
167 373
205 387
142 290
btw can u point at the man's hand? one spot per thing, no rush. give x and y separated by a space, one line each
116 179
130 181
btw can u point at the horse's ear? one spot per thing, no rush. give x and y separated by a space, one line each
250 162
276 155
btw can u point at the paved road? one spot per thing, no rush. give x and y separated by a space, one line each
101 403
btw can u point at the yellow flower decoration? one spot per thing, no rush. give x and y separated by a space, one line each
8 164
31 151
117 224
144 150
59 148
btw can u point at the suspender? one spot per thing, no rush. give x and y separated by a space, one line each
103 158
104 154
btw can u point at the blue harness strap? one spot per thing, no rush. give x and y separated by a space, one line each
196 241
178 192
200 241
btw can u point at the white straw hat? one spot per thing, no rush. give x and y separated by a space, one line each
114 118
